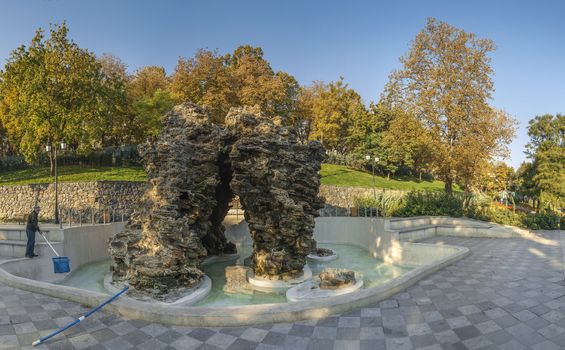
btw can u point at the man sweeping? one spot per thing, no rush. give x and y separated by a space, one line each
32 227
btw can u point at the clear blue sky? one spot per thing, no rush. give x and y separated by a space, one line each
317 40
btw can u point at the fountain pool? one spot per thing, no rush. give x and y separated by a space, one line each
374 271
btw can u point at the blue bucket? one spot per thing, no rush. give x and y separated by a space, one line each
61 264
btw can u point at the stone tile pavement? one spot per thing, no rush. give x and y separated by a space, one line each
508 294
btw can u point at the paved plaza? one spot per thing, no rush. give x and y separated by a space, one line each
508 294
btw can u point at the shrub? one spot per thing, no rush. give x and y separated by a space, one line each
417 203
388 202
545 220
497 214
125 155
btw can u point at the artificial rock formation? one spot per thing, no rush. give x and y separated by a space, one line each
277 181
164 243
332 278
194 169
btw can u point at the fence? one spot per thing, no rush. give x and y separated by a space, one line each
69 217
330 210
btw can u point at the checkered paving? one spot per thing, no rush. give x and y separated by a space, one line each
508 294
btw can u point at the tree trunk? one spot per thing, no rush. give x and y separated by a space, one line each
420 176
449 186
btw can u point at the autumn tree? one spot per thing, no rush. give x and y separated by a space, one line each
446 84
146 81
150 98
337 113
497 177
257 84
53 90
220 82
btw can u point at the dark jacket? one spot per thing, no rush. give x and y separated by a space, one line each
32 222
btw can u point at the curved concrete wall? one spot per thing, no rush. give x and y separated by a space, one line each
82 245
364 232
367 233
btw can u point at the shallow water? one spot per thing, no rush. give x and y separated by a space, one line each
374 271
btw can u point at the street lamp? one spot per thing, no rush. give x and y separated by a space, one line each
48 148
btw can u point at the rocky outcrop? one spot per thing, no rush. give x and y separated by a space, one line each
162 247
194 169
332 278
277 181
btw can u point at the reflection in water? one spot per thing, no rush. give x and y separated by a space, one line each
374 272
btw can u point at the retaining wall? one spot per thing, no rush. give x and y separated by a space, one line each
17 201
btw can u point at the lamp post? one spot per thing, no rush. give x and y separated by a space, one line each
48 148
375 159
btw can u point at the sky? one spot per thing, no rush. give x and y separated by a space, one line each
361 41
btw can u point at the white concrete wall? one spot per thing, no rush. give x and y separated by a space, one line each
86 244
366 233
82 245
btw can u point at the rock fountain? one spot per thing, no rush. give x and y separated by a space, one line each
195 168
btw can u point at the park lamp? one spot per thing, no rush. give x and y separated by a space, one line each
377 159
368 157
47 148
63 145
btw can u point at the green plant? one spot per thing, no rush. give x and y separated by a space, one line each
417 203
545 220
387 202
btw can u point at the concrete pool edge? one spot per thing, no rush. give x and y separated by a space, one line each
239 315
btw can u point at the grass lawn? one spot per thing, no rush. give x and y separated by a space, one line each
72 173
336 175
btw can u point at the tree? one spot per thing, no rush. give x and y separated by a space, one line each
150 109
51 91
257 83
526 185
498 177
146 81
118 121
446 84
407 142
547 149
338 116
206 80
220 82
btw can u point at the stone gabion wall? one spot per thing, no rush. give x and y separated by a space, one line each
17 201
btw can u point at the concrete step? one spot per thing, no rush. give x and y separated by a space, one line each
415 234
17 234
398 224
415 228
17 249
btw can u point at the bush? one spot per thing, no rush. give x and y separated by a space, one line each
126 155
12 162
545 220
418 203
497 214
479 207
388 202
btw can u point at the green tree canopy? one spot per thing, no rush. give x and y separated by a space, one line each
53 90
547 149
